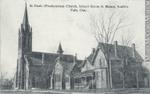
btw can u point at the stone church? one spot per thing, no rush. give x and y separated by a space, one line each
108 66
38 69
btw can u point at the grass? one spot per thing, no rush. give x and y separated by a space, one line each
97 91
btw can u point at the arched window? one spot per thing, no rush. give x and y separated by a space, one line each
102 74
100 63
33 82
58 77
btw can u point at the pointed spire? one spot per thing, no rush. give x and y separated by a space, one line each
25 18
60 50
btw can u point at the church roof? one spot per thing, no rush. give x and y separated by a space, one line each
48 60
48 57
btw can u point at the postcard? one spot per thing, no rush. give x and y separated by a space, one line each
75 46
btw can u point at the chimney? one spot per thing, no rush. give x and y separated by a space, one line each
93 50
42 58
75 58
133 49
115 48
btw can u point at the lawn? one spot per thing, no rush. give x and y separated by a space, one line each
97 91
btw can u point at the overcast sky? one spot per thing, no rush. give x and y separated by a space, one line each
51 26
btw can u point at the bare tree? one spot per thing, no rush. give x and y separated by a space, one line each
127 38
104 29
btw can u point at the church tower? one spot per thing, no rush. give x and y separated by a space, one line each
24 47
25 35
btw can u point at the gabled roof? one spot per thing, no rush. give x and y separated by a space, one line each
48 57
77 67
122 52
49 60
67 67
86 66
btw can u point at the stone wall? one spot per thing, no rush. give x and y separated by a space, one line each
38 78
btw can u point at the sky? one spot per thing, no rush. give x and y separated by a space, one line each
54 25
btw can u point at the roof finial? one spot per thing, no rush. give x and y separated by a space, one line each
25 18
60 50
